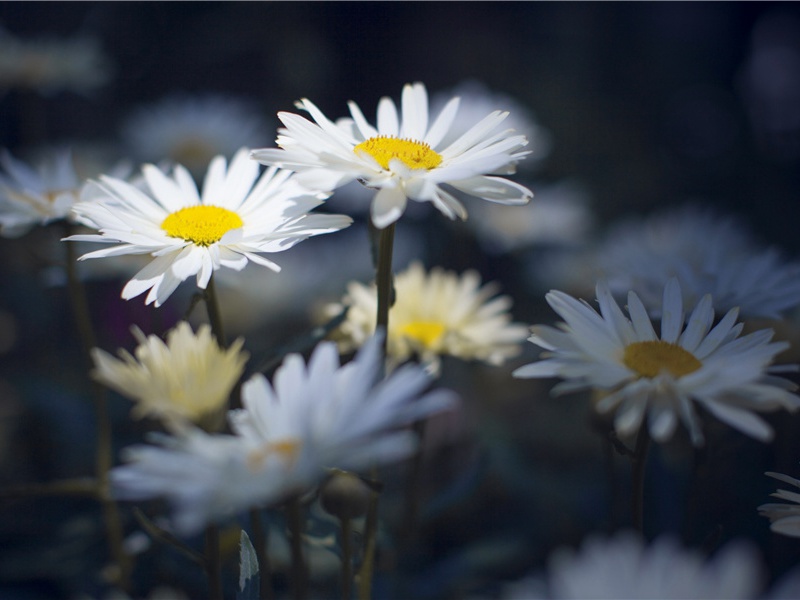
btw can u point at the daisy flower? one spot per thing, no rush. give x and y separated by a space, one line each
784 518
237 217
434 314
191 130
662 377
187 378
314 416
708 254
403 157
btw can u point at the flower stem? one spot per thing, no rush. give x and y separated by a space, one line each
103 460
214 313
637 480
347 557
299 571
212 563
260 544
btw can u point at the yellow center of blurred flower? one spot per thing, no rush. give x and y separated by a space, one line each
287 449
415 155
427 333
193 152
653 357
202 225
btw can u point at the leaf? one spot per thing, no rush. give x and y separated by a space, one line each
248 569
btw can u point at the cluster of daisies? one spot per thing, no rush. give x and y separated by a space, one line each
662 345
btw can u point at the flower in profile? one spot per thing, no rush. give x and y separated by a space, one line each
624 566
709 254
49 65
784 518
434 314
188 378
31 196
237 217
191 130
645 375
314 416
403 157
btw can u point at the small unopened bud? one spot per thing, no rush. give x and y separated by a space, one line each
345 495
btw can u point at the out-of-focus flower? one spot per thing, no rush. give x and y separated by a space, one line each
708 254
434 314
659 378
237 217
187 378
477 101
784 518
403 157
313 417
191 130
624 566
560 216
50 65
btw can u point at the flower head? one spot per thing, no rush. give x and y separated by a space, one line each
312 417
237 217
403 157
187 378
708 254
784 518
660 377
434 314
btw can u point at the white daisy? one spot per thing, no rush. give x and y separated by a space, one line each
784 518
403 157
709 254
237 217
314 416
188 377
434 314
660 377
191 130
38 195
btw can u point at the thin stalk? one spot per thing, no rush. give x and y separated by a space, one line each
370 541
637 480
294 515
213 563
260 543
103 460
347 557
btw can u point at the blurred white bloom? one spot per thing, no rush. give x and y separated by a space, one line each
314 416
403 158
784 518
434 314
708 254
660 377
238 216
49 65
560 216
624 567
477 101
191 130
187 378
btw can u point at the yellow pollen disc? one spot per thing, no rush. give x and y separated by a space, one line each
202 225
286 449
415 155
651 358
427 333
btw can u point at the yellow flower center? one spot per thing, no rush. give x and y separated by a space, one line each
427 333
415 155
287 449
202 225
653 357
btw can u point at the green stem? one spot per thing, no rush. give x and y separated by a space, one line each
260 543
294 515
637 480
347 557
103 461
213 563
214 313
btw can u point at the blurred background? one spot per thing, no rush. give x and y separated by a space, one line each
630 108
